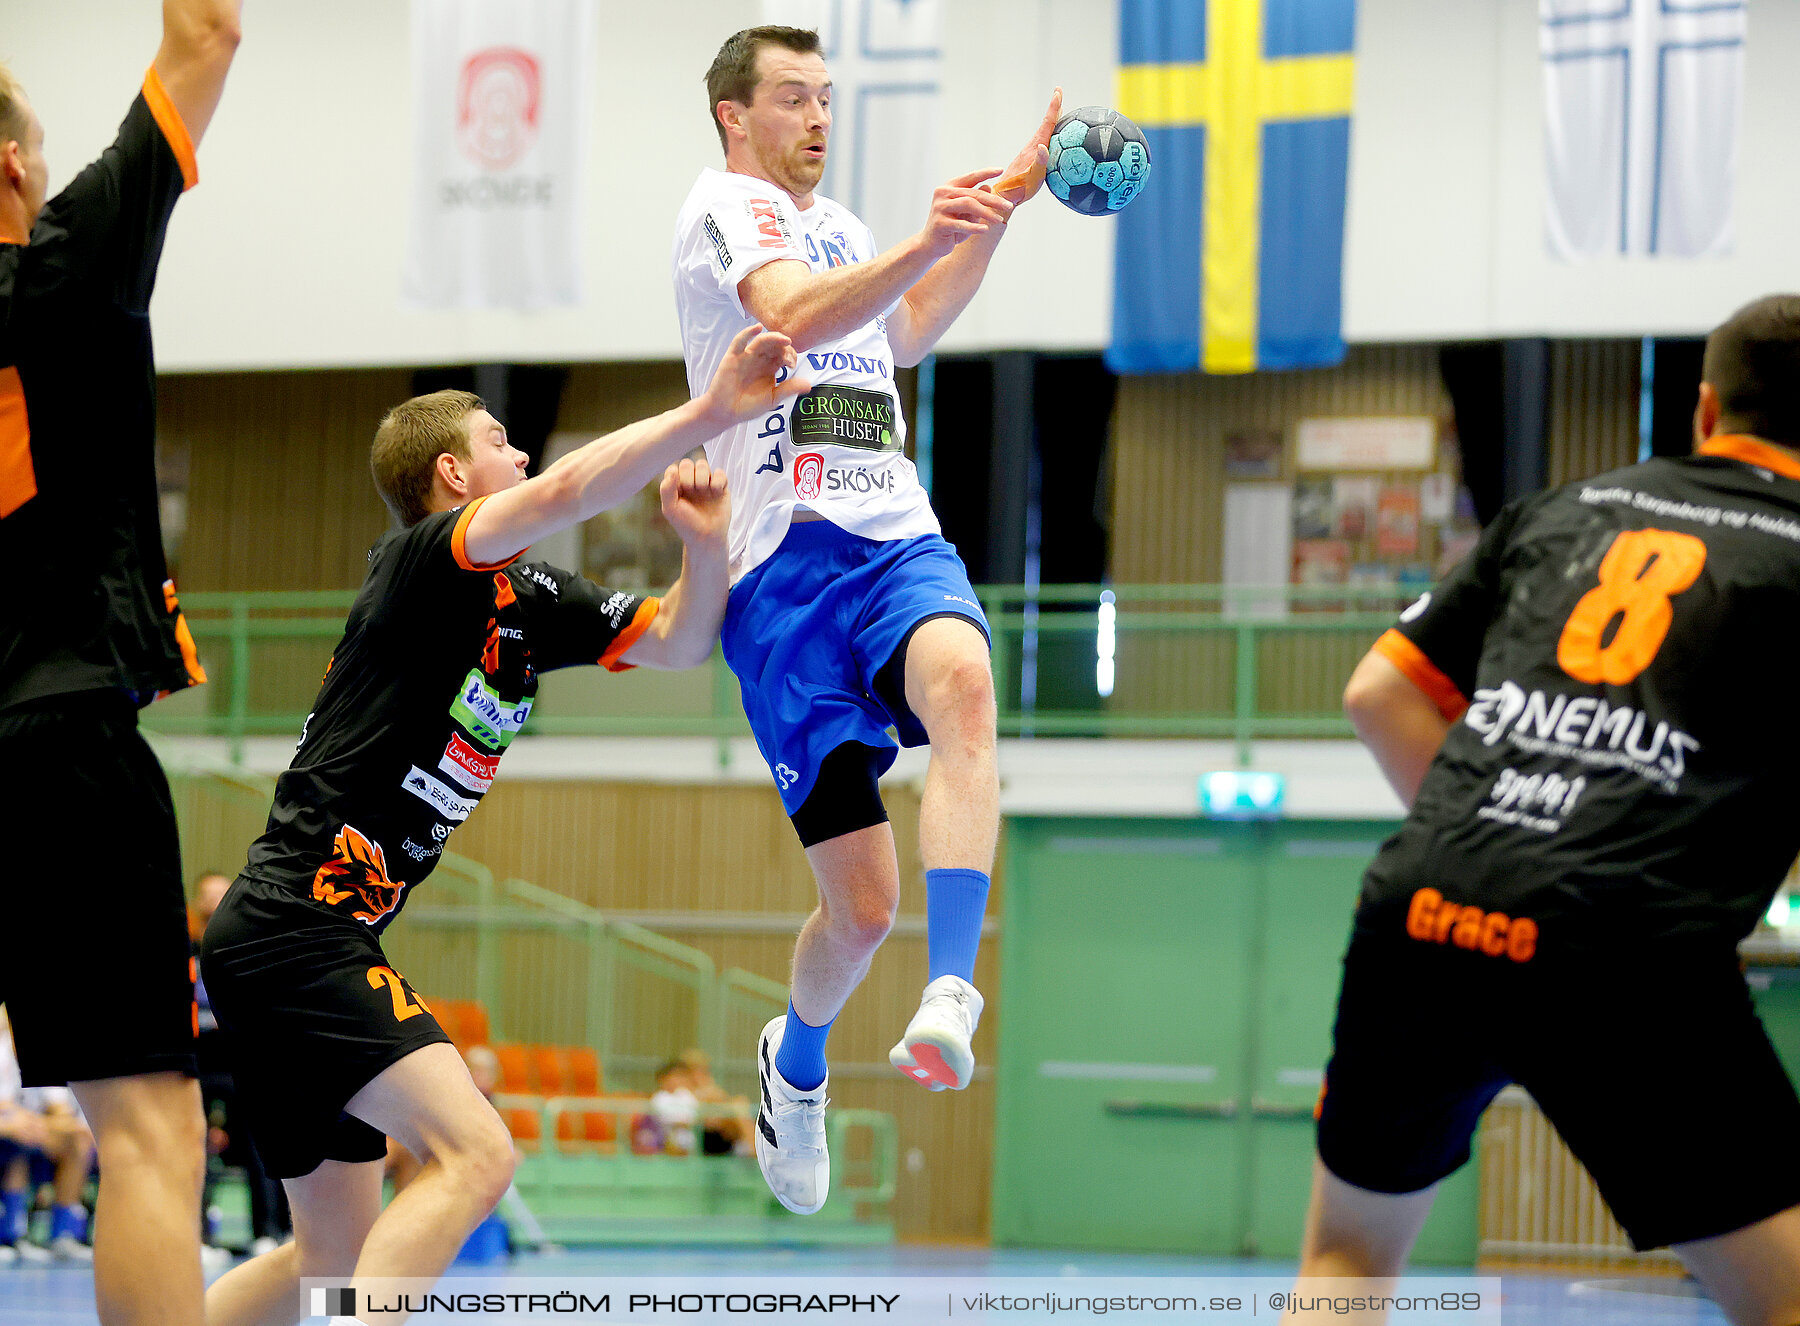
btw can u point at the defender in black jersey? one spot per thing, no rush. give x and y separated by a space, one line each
331 1049
104 636
1602 803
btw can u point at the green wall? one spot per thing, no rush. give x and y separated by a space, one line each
1169 989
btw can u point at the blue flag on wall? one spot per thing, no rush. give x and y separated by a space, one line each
1233 259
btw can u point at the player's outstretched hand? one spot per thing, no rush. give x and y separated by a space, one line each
695 502
1025 176
748 381
961 209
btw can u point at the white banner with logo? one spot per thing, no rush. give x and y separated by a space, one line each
885 58
499 110
1642 101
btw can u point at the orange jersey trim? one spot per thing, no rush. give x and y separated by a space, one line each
640 622
459 546
18 478
184 637
168 119
1751 451
1423 673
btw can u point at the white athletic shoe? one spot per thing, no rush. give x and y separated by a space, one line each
68 1248
790 1132
30 1254
8 1254
264 1244
935 1049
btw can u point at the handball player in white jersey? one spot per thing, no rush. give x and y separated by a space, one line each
849 613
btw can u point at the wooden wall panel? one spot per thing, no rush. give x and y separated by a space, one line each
1168 443
1594 402
279 494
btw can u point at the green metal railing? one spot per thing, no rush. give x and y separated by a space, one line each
1206 661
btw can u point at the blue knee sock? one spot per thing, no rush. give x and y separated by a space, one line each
12 1216
955 903
801 1058
70 1220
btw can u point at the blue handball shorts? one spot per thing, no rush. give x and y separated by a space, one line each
807 631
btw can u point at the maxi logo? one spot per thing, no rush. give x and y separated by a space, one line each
490 720
770 224
436 794
846 417
467 765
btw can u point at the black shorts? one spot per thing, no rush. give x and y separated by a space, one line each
97 974
312 1012
1656 1072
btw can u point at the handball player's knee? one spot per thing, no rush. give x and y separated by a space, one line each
963 693
156 1126
486 1162
868 920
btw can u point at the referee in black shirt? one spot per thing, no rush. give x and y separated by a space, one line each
101 637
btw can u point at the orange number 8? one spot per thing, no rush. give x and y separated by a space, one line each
1640 573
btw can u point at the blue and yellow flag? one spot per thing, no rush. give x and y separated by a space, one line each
1232 260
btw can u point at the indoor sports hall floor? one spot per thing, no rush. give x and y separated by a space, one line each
63 1296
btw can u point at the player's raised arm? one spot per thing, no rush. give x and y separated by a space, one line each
199 39
610 469
695 502
814 307
935 301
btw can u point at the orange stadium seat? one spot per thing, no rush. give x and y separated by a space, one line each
515 1073
583 1071
547 1060
576 1125
526 1126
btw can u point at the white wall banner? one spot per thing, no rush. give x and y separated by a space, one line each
499 104
1643 100
885 58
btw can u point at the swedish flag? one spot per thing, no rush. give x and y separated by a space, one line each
1232 260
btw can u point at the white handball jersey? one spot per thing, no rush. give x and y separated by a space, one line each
836 450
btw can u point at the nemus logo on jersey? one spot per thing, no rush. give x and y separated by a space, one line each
1587 728
492 721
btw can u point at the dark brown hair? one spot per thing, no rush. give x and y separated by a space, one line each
732 76
1753 362
411 437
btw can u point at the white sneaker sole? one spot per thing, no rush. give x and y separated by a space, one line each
940 1062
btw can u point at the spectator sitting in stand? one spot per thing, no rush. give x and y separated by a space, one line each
43 1139
675 1108
722 1133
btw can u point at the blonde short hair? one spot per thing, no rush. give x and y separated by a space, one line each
13 122
408 443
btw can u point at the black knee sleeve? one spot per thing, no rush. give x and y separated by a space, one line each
845 796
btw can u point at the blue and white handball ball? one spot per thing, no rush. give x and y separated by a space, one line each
1098 160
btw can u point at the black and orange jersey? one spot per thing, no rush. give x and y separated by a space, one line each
432 680
78 426
1621 764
